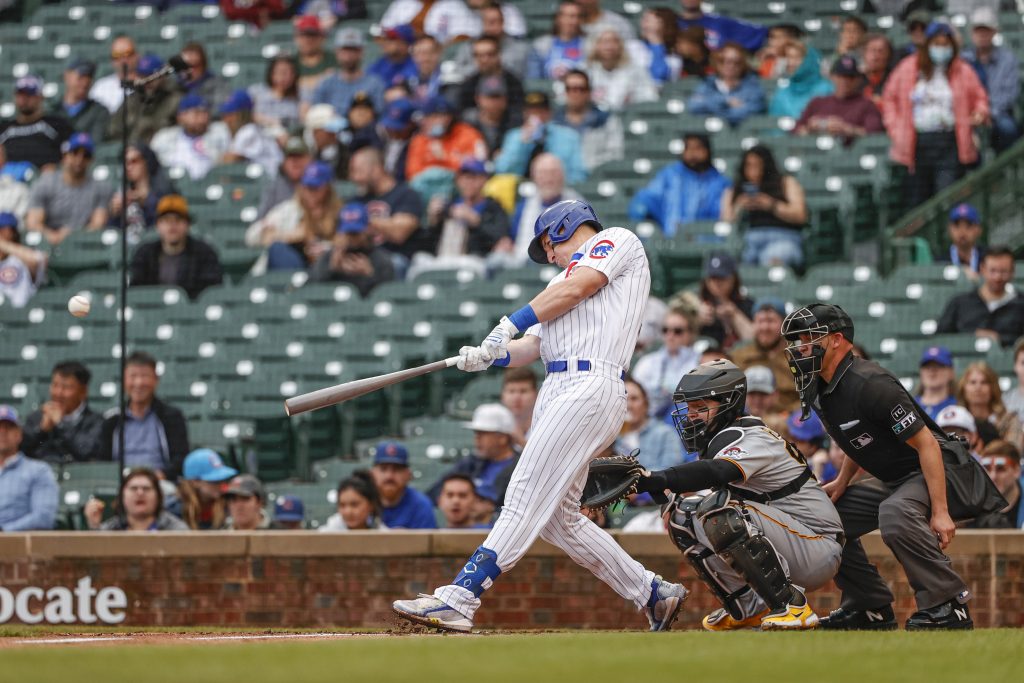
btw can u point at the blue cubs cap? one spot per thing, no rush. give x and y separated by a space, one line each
472 165
30 85
938 28
845 66
964 212
192 101
8 220
438 104
204 464
78 141
809 430
353 218
9 414
771 303
937 354
82 66
721 264
239 101
149 64
398 114
316 175
289 509
391 453
403 32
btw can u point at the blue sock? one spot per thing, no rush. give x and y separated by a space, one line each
653 600
479 572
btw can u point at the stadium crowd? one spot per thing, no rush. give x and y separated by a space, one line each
435 150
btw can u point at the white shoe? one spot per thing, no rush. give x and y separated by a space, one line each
669 599
429 611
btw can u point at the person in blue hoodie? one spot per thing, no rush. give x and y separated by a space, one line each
537 135
802 84
684 191
733 93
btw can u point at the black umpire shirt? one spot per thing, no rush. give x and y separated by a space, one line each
869 414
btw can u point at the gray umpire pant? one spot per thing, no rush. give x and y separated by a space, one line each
809 559
901 512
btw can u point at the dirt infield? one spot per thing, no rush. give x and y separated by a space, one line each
197 637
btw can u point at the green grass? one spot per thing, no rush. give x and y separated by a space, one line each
818 657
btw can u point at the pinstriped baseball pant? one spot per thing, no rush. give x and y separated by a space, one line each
578 415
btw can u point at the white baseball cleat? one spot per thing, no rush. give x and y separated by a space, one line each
429 611
668 599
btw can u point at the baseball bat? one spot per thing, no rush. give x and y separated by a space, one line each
329 396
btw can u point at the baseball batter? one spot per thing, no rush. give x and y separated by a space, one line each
767 531
584 327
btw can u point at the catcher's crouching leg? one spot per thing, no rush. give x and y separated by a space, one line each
749 553
681 530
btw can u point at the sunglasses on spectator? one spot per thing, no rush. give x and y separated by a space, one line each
999 464
576 88
122 54
675 330
484 53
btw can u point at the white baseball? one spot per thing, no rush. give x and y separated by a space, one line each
78 306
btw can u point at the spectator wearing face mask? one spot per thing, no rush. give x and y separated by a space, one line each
537 135
442 141
931 104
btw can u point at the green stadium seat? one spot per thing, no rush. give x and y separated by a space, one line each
484 389
319 500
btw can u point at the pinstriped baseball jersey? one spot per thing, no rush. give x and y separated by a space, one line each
604 326
16 283
768 463
578 413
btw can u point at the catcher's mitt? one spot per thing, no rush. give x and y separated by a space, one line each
610 480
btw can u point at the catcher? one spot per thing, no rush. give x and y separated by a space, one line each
764 534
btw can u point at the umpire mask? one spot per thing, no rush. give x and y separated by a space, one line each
806 330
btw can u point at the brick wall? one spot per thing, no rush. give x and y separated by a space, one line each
349 580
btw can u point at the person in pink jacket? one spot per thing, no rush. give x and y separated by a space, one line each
930 104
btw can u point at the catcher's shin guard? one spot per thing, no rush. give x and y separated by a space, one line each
680 529
752 556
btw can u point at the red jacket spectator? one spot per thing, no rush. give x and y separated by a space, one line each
897 111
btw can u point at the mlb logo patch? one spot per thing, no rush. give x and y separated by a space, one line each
862 441
602 249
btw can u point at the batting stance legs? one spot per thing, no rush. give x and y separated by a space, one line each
572 423
753 557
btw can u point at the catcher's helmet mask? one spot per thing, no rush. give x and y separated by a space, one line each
720 382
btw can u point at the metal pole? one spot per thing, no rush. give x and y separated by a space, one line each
123 224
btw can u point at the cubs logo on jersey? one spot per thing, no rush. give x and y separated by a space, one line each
9 275
602 249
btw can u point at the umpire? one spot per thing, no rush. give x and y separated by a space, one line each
869 414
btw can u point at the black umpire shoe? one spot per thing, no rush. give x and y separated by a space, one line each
842 619
952 615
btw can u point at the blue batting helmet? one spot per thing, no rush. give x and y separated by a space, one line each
560 221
